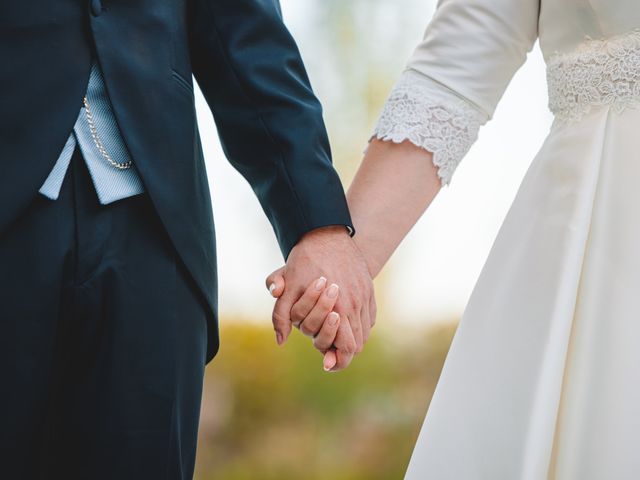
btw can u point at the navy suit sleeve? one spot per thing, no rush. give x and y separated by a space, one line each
268 118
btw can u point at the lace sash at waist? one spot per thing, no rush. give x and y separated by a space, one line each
598 73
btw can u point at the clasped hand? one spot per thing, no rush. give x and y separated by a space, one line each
325 290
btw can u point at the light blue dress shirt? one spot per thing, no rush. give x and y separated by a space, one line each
111 183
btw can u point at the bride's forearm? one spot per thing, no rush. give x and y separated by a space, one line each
392 188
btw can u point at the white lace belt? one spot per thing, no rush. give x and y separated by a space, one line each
598 73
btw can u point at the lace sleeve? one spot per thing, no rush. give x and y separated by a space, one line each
431 117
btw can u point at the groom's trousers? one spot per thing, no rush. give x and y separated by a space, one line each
102 341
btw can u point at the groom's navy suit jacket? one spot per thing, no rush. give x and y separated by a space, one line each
250 72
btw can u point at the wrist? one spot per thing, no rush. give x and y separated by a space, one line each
374 263
327 232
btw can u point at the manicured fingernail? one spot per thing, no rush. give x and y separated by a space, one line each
279 338
333 319
333 291
320 283
327 366
272 287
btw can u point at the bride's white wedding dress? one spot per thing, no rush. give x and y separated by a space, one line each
543 377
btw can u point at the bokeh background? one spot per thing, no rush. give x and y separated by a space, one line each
271 412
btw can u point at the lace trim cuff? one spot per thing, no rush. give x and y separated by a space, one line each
423 112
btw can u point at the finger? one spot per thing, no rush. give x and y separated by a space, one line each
329 361
343 360
307 301
345 346
275 283
314 320
366 323
373 310
327 334
281 318
353 316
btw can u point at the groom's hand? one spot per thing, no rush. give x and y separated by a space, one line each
328 252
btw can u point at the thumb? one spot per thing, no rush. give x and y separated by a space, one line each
330 360
275 283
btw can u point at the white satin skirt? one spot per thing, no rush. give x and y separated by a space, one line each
542 380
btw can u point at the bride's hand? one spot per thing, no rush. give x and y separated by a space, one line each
313 314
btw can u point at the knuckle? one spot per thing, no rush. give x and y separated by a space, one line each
296 314
356 328
320 344
349 348
307 329
356 303
278 318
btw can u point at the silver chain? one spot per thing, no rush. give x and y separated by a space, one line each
98 142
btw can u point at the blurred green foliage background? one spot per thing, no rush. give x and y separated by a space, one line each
272 413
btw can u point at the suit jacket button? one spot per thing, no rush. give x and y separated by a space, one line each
96 7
